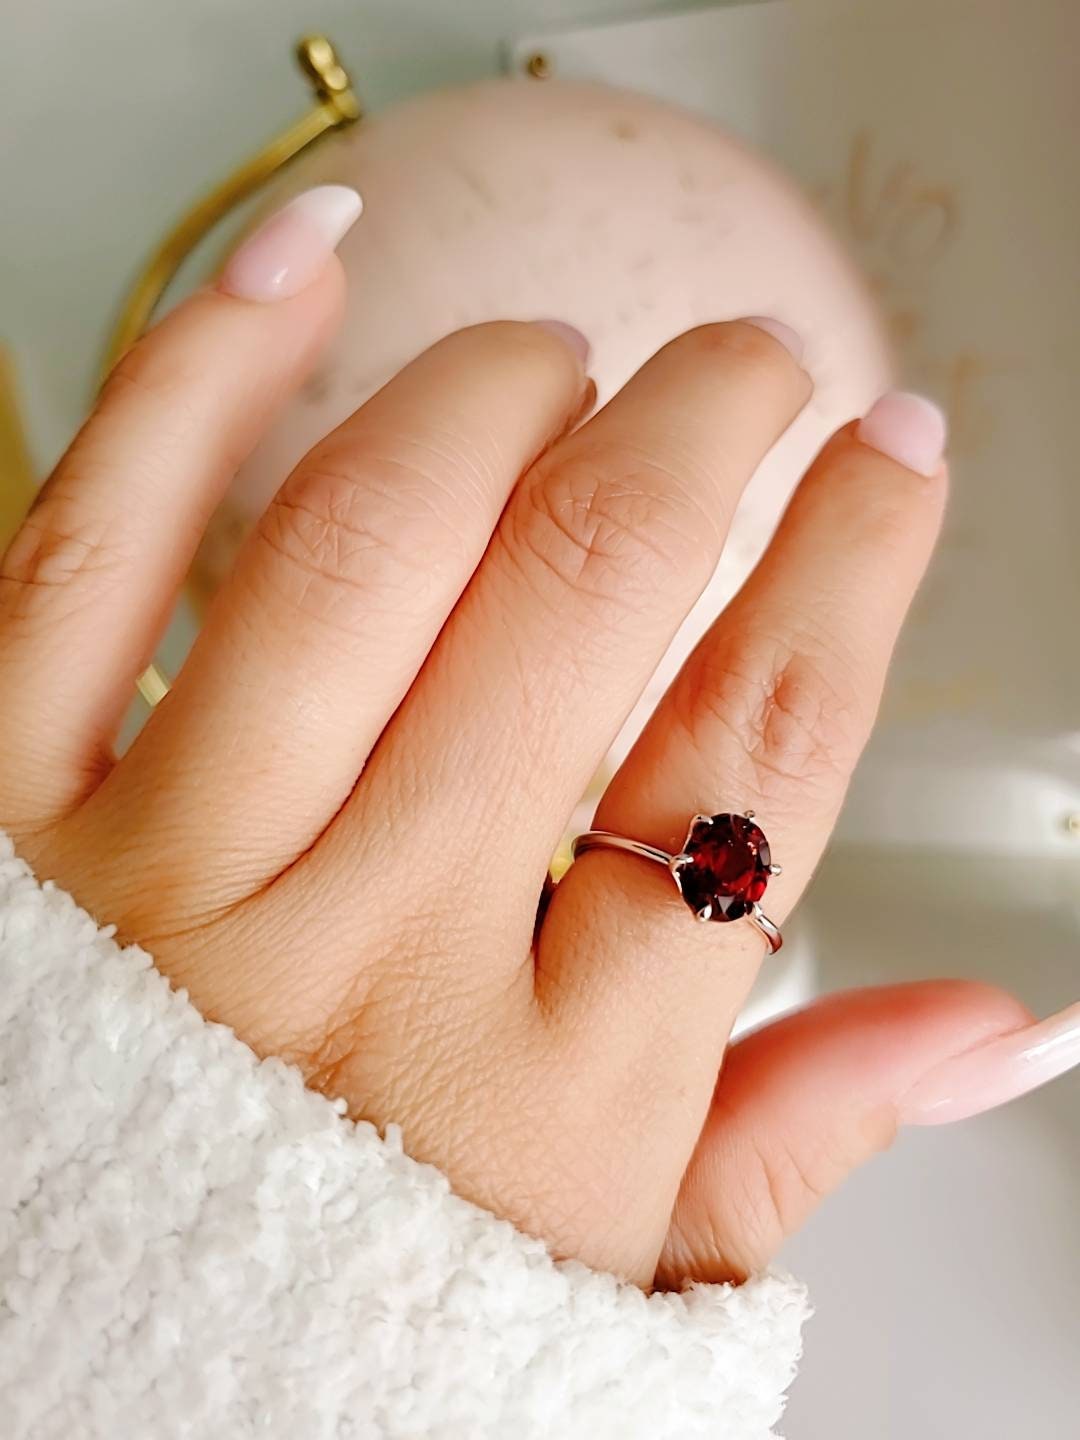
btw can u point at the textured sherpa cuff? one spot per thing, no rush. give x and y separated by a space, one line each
193 1244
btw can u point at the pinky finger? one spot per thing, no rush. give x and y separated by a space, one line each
806 1100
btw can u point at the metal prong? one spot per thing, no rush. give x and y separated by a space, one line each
776 869
761 921
749 814
701 820
677 862
705 913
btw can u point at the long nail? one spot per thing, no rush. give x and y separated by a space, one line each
287 251
791 340
995 1072
570 335
907 428
586 407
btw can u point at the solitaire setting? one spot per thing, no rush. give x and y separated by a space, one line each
722 870
724 866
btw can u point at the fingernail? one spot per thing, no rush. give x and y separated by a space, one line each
995 1072
791 340
569 335
585 409
287 251
907 428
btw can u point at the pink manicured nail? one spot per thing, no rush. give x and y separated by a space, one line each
908 429
569 335
286 253
995 1072
791 340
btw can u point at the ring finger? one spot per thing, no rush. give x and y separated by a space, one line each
770 712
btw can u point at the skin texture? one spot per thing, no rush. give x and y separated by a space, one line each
335 829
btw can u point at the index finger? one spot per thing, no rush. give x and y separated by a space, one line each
88 582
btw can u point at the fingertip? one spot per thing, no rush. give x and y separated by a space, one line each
789 338
908 428
288 251
812 1096
570 336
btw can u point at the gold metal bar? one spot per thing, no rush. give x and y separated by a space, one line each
166 260
337 106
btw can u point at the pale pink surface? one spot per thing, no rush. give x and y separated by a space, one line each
287 251
995 1072
622 216
908 428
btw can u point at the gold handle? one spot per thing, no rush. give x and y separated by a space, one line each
337 106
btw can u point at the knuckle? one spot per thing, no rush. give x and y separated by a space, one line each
789 715
790 1174
375 527
160 380
732 1232
60 546
772 1188
775 1182
790 1180
784 1181
613 525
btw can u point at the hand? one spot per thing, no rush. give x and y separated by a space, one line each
335 829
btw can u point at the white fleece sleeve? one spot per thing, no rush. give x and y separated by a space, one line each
194 1245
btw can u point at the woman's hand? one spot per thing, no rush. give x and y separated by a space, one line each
334 831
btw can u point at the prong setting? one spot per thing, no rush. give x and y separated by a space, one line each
765 927
721 870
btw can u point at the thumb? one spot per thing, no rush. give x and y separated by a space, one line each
805 1100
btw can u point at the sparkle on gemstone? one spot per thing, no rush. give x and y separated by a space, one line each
724 866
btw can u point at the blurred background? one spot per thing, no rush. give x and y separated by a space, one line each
898 181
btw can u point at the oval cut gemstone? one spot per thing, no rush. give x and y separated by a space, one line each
723 868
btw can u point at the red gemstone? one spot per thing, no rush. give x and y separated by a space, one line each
725 866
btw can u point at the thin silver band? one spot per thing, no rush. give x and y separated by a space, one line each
608 840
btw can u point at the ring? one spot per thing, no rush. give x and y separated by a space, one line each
722 869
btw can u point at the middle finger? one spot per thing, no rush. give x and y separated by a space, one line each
600 554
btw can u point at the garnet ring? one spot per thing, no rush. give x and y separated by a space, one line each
722 869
